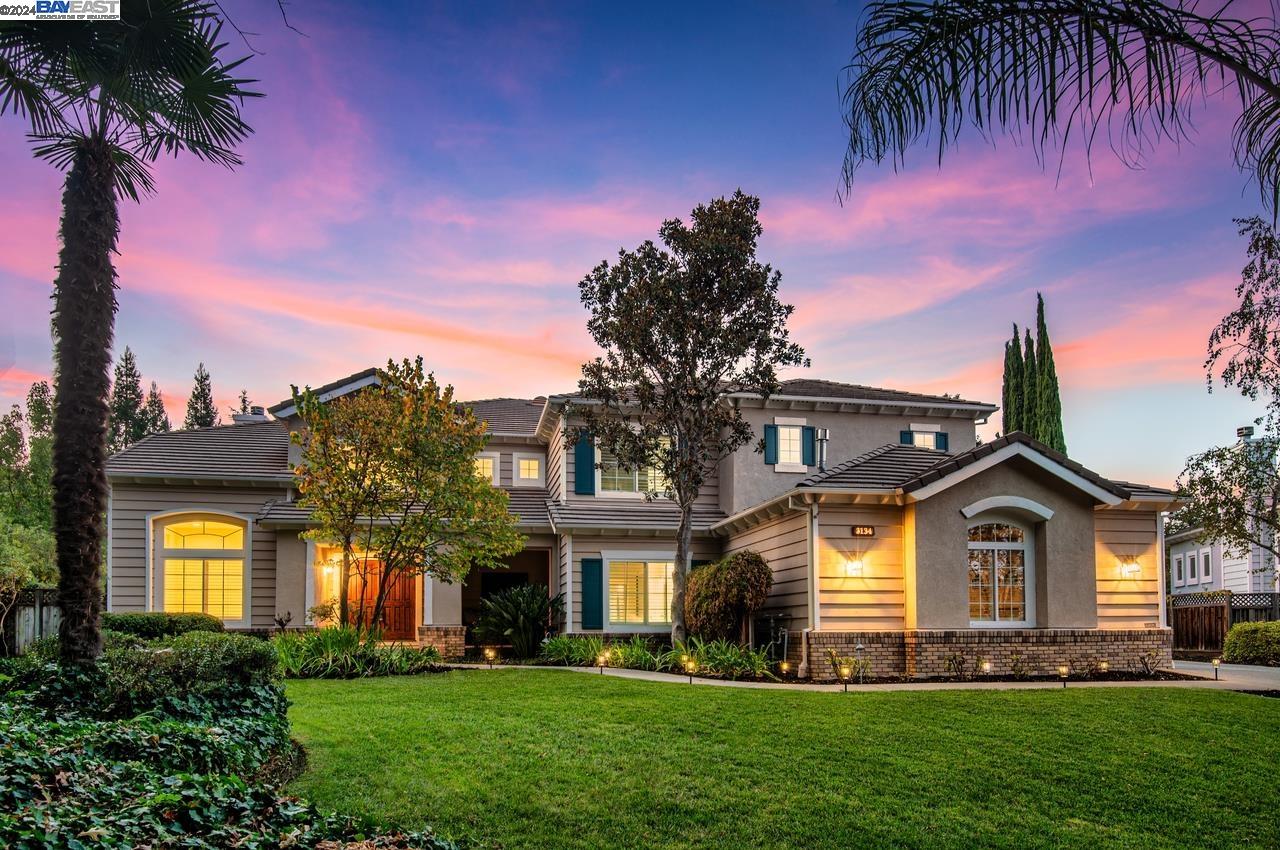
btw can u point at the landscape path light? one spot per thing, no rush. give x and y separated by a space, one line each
602 660
1217 662
690 667
490 653
1104 666
857 651
784 668
986 666
1063 670
845 674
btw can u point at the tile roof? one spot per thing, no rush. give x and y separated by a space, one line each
885 468
529 503
627 515
256 450
329 387
816 388
509 415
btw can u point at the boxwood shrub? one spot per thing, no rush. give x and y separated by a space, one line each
1253 643
157 624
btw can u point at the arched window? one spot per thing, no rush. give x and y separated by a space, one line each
202 565
1000 574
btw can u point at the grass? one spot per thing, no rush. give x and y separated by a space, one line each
555 759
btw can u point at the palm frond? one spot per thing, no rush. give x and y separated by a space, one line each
1043 71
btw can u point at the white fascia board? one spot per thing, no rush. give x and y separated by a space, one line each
1016 450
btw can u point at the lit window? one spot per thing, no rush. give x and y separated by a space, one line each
485 467
526 470
640 592
998 554
925 439
790 444
530 469
203 562
616 478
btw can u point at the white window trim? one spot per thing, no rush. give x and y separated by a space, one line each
517 481
608 558
1206 568
155 565
925 428
497 466
1179 572
1193 554
791 422
617 494
1028 549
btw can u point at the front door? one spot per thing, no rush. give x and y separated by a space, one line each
396 622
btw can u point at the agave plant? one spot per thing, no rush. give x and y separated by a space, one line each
520 616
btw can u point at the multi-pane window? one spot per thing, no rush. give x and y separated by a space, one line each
1177 570
203 565
526 470
530 468
616 478
1206 571
997 573
925 439
790 444
1192 569
485 467
640 592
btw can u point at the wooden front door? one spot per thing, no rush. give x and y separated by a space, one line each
397 611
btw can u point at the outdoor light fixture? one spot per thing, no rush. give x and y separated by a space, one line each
1063 670
845 673
602 660
857 651
986 666
853 566
784 667
1217 662
1129 567
690 667
1104 665
490 653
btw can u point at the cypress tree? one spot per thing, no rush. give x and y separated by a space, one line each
125 425
1011 395
245 404
153 412
1030 407
1048 400
201 411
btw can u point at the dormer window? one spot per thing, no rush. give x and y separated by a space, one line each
925 437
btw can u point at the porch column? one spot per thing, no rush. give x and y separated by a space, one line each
442 617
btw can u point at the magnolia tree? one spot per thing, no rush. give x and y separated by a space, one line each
389 475
681 327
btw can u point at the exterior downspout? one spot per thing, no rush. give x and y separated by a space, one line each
815 614
1164 572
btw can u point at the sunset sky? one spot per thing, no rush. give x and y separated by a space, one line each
436 180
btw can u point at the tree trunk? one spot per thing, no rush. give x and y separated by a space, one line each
344 588
83 317
684 546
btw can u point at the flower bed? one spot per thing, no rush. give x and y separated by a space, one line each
181 742
717 659
345 653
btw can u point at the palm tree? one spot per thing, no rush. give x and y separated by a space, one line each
1044 70
104 100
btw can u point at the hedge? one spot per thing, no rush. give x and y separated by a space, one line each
158 624
1253 643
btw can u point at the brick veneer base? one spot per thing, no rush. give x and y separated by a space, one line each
450 641
925 653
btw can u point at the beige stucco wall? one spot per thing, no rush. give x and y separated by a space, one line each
132 504
746 480
1065 572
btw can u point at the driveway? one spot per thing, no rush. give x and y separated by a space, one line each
1235 676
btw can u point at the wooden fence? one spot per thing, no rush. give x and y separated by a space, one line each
1200 621
34 615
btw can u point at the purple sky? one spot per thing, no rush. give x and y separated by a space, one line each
437 179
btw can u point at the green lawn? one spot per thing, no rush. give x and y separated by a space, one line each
551 759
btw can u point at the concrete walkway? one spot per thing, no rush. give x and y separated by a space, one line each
1231 677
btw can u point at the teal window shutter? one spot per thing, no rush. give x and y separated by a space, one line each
809 446
940 441
771 444
592 593
905 438
584 466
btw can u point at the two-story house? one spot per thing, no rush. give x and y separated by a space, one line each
885 522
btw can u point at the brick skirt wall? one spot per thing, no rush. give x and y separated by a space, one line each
450 641
926 652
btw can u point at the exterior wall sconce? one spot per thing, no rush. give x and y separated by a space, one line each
853 566
1130 568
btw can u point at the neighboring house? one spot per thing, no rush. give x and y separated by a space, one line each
884 521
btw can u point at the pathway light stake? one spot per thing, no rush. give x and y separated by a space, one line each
1063 670
602 660
1217 662
857 650
986 666
1104 666
845 674
490 653
784 668
690 667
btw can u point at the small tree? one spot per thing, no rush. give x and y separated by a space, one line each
723 596
126 424
27 557
201 411
1233 494
26 460
680 329
1048 398
1011 389
154 416
1030 388
243 405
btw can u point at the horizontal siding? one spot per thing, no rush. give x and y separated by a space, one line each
877 598
592 546
784 543
1127 603
130 506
